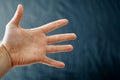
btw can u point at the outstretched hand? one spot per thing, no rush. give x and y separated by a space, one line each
27 46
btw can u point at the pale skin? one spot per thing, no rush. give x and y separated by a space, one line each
28 46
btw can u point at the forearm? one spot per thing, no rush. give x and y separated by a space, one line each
5 61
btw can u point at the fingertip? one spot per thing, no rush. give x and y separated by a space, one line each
20 7
70 47
61 65
18 15
74 36
66 21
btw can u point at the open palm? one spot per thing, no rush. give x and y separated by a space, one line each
27 46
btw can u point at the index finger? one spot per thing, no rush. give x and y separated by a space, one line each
53 25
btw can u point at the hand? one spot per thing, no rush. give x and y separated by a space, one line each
27 46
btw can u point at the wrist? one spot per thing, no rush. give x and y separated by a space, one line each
5 60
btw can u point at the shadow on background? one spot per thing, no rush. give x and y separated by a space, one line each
96 54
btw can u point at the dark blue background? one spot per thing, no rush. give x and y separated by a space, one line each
96 54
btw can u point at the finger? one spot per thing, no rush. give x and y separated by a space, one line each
59 48
54 63
18 15
60 38
52 26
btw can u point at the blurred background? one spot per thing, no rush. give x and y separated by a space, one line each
96 54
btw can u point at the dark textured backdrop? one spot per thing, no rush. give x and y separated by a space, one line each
97 49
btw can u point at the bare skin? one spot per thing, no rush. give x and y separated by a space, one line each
28 46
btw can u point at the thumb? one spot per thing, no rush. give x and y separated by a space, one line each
18 15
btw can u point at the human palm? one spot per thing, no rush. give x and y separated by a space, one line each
27 46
